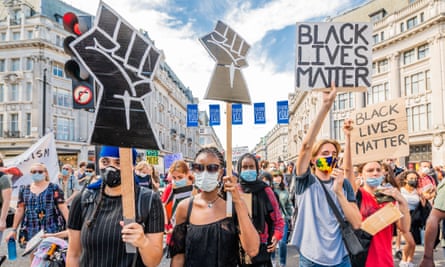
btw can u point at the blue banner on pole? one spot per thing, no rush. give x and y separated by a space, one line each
282 112
237 114
215 117
192 115
259 111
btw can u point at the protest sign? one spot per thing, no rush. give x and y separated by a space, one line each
333 51
380 131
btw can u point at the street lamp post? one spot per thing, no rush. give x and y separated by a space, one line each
44 104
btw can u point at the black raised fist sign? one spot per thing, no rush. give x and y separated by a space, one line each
229 51
123 63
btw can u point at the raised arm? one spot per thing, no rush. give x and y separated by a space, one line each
304 155
347 157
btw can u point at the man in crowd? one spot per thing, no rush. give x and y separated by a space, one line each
68 183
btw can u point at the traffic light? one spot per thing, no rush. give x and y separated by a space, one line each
82 82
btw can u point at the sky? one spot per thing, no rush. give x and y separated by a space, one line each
268 26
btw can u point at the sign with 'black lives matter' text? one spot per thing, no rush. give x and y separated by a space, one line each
333 51
380 131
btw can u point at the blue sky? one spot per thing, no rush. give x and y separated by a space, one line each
267 25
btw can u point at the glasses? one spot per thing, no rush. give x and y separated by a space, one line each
66 169
196 167
34 171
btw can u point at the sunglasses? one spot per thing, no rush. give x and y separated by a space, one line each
66 169
40 172
196 167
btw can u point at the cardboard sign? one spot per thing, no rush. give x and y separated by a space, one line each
381 219
333 51
123 62
380 131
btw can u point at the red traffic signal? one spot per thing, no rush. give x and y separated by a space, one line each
71 23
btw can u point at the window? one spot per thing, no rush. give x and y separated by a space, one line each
13 92
29 63
2 65
28 124
28 92
16 36
3 36
428 80
378 93
419 118
423 51
422 17
65 129
1 125
382 66
375 38
382 36
411 23
417 83
14 122
62 97
380 14
15 64
402 27
408 57
344 101
58 70
29 34
338 130
2 93
58 40
374 68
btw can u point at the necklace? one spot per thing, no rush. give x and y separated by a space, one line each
210 203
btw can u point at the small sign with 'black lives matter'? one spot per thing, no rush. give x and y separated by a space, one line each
333 51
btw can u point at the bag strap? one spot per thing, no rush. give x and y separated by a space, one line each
189 210
333 207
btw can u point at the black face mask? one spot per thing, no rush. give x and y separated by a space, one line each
111 176
412 183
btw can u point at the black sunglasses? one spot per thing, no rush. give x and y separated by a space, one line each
40 172
196 167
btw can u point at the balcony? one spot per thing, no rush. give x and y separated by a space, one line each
182 137
173 133
12 134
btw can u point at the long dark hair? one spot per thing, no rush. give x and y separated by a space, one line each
247 156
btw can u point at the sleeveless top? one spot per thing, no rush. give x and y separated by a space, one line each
214 244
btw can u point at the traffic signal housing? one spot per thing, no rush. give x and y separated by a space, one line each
83 89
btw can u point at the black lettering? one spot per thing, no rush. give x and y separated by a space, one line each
361 74
343 34
300 57
360 147
302 72
359 120
316 40
344 55
332 56
401 139
304 34
392 109
347 77
359 55
319 72
332 33
361 133
375 127
358 33
317 61
392 125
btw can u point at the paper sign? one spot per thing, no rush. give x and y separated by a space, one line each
381 219
192 115
259 111
215 115
333 51
380 131
237 114
282 112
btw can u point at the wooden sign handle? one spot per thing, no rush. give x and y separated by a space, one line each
127 190
229 156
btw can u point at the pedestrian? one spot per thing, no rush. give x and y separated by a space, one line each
97 234
80 174
5 201
69 184
145 175
203 234
90 174
320 242
266 214
286 211
40 206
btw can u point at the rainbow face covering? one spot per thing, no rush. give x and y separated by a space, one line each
326 164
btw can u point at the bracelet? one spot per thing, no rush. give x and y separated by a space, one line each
427 257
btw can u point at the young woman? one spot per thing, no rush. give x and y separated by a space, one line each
212 238
145 176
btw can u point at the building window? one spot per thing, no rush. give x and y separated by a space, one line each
13 92
419 118
422 17
2 36
338 130
408 57
382 66
30 34
417 83
378 93
58 41
382 36
2 93
375 38
29 63
65 129
1 125
62 97
423 51
28 124
411 23
428 80
15 64
344 101
2 65
28 92
379 15
402 27
16 36
14 122
58 70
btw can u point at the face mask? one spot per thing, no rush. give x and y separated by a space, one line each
180 183
412 183
392 165
282 168
249 175
65 172
111 176
374 182
37 177
275 184
206 181
426 170
89 174
144 176
326 164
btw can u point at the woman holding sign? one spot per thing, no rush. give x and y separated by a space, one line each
320 242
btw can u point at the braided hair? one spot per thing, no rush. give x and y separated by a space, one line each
214 151
247 156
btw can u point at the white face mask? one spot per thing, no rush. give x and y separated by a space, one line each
206 181
426 170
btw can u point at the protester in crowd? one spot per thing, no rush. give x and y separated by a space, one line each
212 238
97 234
90 174
69 183
5 200
182 188
427 182
288 174
40 206
440 173
266 177
286 211
320 243
266 214
380 250
80 174
145 175
272 166
263 165
392 163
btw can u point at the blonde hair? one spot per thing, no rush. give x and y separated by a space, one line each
317 146
144 164
179 166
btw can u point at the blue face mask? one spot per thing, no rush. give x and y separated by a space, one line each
37 177
249 175
374 182
65 172
89 174
180 183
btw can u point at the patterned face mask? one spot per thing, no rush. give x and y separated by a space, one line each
326 164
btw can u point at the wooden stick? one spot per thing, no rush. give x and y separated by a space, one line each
229 155
127 190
